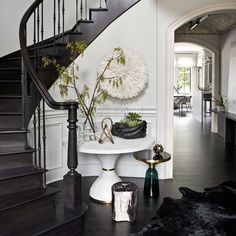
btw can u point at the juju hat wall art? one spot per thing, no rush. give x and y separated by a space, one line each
133 73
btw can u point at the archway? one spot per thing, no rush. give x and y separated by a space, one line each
215 68
204 9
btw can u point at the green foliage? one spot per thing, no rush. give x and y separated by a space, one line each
76 47
132 119
220 101
184 78
133 116
68 78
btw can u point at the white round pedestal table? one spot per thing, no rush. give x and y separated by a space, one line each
108 154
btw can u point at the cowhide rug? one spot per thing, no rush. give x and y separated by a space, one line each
210 213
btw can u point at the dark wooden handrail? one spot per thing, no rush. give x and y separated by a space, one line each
30 67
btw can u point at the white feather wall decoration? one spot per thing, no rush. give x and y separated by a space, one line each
133 73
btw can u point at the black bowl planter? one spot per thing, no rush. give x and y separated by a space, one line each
122 130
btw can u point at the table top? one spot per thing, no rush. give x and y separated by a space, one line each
120 146
225 114
147 157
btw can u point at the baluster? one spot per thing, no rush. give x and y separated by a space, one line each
39 134
23 95
44 147
42 26
63 16
76 11
35 140
34 39
72 180
54 18
86 9
35 64
38 23
81 9
38 30
100 4
58 17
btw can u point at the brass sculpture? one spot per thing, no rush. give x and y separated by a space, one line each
106 124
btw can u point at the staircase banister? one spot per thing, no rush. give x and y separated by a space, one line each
30 68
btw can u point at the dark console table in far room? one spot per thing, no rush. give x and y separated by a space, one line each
226 126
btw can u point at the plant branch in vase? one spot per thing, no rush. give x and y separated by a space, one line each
69 80
220 102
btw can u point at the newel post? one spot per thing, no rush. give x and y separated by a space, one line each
72 180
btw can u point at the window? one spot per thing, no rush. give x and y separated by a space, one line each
183 82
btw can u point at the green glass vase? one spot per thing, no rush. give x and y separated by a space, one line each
151 185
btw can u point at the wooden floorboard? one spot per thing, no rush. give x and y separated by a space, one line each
200 160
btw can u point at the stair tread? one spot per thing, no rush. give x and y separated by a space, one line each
48 45
50 221
17 172
15 150
60 219
10 113
30 56
10 96
12 130
16 199
9 68
98 9
86 21
9 81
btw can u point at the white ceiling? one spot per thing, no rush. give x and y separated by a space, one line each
187 48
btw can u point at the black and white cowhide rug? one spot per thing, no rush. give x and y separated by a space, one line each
210 213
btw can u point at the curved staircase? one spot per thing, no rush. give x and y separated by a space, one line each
27 205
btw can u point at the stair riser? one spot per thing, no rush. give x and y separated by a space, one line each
16 161
30 213
10 88
10 104
10 63
68 38
57 50
68 228
8 140
14 63
8 74
10 121
20 183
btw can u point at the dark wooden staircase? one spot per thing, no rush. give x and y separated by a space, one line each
27 205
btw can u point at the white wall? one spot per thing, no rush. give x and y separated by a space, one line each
226 40
11 12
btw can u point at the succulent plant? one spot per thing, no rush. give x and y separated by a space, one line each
132 119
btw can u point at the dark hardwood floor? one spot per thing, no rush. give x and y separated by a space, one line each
200 160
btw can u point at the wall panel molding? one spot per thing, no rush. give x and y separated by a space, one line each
89 165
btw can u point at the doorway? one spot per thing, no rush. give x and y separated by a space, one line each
222 7
193 81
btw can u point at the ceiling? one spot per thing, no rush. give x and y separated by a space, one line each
187 48
213 24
